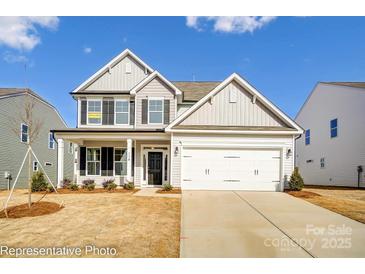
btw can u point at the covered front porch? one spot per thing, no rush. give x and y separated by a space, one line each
142 158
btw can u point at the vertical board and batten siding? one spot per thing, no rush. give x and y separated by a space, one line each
219 111
13 151
181 140
155 88
343 153
118 79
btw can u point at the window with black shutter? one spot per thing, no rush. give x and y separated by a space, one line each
107 157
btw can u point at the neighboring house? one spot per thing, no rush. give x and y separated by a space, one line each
14 135
134 125
333 146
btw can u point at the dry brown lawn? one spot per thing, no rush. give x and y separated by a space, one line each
136 226
349 202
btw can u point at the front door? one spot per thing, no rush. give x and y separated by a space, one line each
155 168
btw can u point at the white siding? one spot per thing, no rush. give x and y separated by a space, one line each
155 88
118 79
343 153
219 111
181 140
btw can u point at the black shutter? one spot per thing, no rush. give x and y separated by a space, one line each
82 161
105 112
107 162
83 112
144 111
110 164
108 111
111 112
166 112
131 113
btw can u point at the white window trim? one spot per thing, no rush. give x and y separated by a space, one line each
21 133
87 170
117 161
101 111
163 110
35 170
115 112
49 141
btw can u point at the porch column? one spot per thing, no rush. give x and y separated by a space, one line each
60 158
129 160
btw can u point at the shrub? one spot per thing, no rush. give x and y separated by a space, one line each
74 186
128 186
50 188
296 181
66 183
107 182
39 183
167 187
111 186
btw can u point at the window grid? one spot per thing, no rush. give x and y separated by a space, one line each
333 128
94 112
93 161
51 141
120 161
322 163
121 112
24 134
155 111
307 137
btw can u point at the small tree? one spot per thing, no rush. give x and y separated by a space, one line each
296 181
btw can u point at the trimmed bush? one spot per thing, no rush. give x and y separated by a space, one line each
74 186
128 186
66 183
167 187
105 183
88 184
111 186
296 181
39 183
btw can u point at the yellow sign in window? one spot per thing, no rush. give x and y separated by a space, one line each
94 115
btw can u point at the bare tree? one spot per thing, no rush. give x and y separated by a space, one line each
26 115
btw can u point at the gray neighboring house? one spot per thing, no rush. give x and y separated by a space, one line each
12 149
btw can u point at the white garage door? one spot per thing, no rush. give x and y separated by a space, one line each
230 169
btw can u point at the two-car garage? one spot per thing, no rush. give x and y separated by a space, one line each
217 168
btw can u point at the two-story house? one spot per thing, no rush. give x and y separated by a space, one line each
134 125
332 150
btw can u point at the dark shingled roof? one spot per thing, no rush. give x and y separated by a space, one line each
348 84
14 91
194 91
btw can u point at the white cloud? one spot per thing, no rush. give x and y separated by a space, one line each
20 32
14 58
230 24
87 50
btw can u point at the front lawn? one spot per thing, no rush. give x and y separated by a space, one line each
134 226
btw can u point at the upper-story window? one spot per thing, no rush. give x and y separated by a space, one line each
155 111
51 141
121 112
333 125
307 137
24 133
94 112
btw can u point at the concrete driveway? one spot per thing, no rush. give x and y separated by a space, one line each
264 224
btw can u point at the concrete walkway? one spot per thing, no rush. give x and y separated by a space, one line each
264 224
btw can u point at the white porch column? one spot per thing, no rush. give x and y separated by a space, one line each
60 158
129 160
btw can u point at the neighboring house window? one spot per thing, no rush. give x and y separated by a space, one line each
155 111
93 161
322 163
94 112
120 161
51 141
70 148
307 137
24 133
121 112
333 125
35 166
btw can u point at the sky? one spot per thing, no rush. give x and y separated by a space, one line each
283 57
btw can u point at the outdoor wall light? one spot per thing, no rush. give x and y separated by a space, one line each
288 152
176 151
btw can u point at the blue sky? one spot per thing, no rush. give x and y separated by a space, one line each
282 57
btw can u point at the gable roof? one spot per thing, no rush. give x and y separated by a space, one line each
195 90
152 76
115 60
347 84
249 88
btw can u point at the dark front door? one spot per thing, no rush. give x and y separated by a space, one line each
155 168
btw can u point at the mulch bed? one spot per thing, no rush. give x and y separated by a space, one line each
37 209
302 194
334 187
85 191
172 191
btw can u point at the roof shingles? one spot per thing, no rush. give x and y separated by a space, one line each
194 91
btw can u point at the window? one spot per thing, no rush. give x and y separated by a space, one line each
322 163
70 148
51 141
307 137
35 166
333 125
155 111
94 112
121 112
120 161
93 161
24 134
